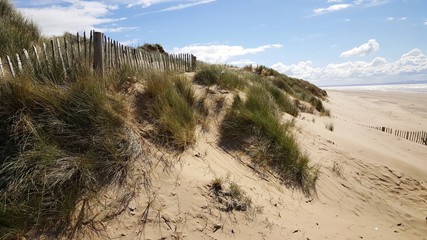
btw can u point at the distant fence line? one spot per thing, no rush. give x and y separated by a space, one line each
414 136
95 50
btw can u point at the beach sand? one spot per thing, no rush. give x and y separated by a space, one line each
372 185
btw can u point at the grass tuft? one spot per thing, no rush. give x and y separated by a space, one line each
254 126
16 32
170 103
224 77
59 144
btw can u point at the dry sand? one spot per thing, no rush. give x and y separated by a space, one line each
372 185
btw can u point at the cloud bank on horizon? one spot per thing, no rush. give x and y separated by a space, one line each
327 41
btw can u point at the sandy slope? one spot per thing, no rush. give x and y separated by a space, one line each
377 189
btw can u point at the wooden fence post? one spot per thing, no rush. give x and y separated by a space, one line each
98 62
193 63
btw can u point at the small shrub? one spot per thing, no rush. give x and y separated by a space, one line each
216 185
330 126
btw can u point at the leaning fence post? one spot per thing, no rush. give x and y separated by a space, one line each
12 71
98 63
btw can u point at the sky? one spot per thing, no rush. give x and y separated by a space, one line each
327 42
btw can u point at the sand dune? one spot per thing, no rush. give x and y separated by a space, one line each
372 185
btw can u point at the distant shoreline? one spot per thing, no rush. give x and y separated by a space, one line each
376 84
400 87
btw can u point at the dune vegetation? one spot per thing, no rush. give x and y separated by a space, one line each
65 139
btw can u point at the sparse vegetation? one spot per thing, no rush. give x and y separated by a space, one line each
170 103
253 126
232 198
330 126
224 77
16 32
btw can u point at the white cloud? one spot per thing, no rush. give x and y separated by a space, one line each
186 5
411 65
393 18
72 16
221 53
180 5
371 3
331 8
371 46
117 29
425 23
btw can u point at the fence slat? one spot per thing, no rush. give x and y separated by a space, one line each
36 55
1 69
78 48
12 71
61 58
18 60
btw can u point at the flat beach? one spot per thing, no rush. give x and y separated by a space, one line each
372 185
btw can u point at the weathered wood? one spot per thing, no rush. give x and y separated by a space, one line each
28 60
2 75
78 48
18 60
61 58
90 47
67 60
98 54
52 46
36 55
193 63
12 71
85 46
73 58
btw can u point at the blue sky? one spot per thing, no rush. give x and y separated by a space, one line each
328 42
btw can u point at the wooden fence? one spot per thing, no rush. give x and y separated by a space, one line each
95 50
415 136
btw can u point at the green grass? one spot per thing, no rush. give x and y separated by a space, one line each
171 104
16 32
224 77
254 126
59 145
282 100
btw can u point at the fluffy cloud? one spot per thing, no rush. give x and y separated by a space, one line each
331 8
412 64
71 16
221 53
371 46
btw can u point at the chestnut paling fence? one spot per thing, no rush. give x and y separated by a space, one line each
415 136
96 50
